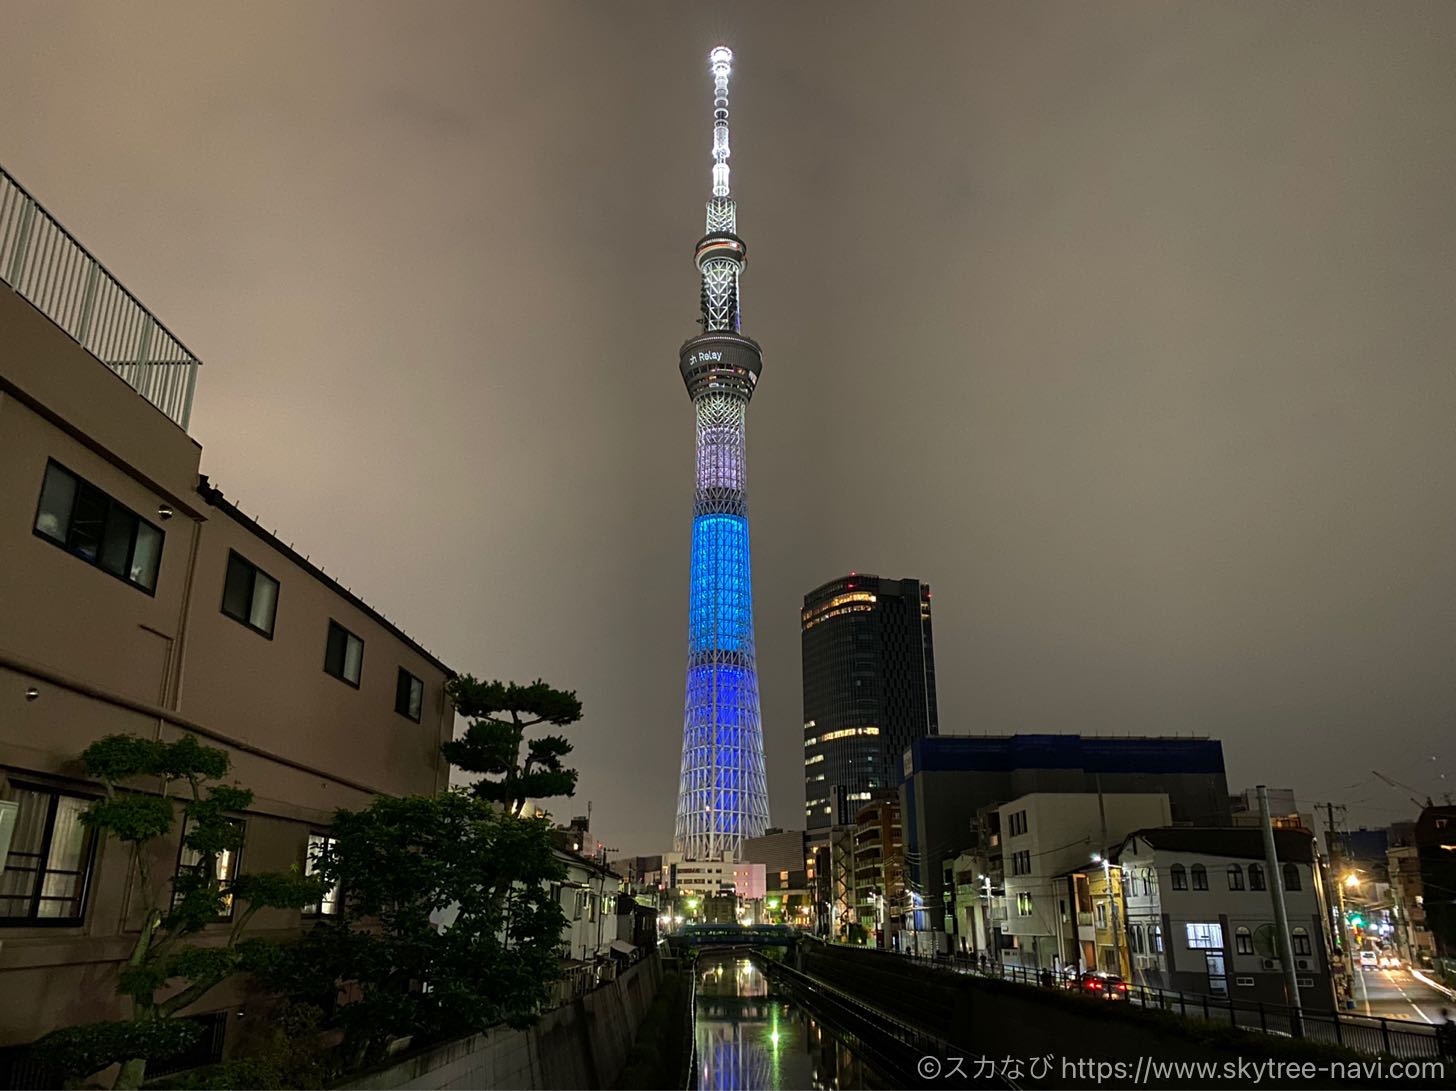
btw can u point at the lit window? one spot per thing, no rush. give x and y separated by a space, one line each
328 905
86 522
1204 936
49 862
344 655
225 867
1300 941
409 695
1243 941
250 595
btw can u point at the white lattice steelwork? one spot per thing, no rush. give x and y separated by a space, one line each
723 793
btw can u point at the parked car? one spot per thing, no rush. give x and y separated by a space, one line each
1389 961
1368 961
1106 986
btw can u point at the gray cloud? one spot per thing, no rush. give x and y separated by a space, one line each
1129 328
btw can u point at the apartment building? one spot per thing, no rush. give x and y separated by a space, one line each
879 871
1044 837
137 598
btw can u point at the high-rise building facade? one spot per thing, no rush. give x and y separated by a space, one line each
869 689
722 794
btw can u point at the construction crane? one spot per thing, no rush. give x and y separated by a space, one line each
1404 788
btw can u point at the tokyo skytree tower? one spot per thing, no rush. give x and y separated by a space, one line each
723 794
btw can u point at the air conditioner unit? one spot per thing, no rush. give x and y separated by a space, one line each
1301 963
1270 964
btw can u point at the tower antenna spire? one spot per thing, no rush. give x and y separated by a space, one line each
720 61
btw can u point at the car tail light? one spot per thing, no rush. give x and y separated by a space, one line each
1122 986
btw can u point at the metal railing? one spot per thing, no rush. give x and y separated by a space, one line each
1366 1033
44 263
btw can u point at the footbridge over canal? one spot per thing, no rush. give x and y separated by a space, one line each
697 936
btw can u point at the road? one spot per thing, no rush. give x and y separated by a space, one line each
1396 994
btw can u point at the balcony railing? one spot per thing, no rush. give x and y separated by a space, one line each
43 262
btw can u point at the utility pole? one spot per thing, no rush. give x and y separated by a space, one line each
1107 880
1281 916
1337 880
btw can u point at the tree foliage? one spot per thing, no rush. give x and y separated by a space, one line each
447 924
500 714
165 974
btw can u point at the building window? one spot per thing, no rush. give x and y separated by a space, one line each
1256 876
1299 940
1023 905
1205 936
409 695
207 1049
1243 941
328 905
250 595
1199 874
1235 877
1291 877
1155 938
1135 938
1101 914
49 864
1178 877
344 656
86 522
1021 862
190 862
1017 824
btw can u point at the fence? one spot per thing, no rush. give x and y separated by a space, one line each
1366 1033
45 264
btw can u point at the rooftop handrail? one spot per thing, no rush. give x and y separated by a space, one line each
48 266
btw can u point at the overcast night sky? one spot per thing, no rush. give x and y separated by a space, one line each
1128 327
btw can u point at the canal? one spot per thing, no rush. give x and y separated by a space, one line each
753 1033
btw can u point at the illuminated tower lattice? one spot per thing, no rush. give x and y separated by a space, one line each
723 796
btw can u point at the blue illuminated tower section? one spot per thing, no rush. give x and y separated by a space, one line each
723 795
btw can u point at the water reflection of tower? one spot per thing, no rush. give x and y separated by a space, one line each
736 1057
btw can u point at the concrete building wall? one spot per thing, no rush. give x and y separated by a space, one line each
274 693
1044 836
583 1044
85 653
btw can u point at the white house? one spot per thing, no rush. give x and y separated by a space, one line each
1200 919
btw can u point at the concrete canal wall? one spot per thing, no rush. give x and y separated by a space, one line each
582 1044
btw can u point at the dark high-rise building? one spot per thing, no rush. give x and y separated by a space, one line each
869 689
